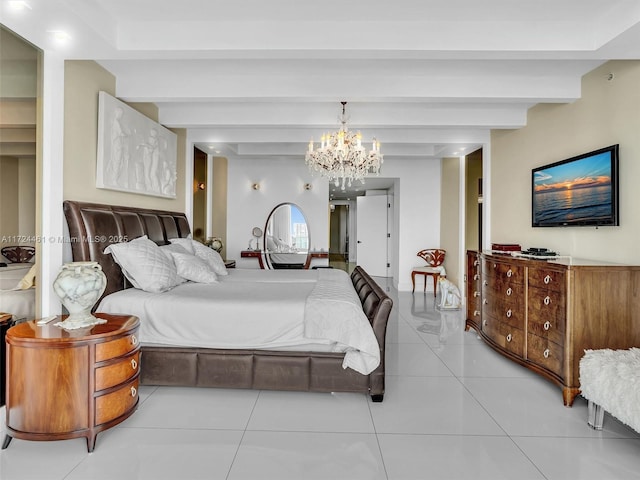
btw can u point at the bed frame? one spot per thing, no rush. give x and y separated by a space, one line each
92 227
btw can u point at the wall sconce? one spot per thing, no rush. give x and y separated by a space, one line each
308 186
201 186
256 186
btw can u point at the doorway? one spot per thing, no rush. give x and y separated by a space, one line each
340 228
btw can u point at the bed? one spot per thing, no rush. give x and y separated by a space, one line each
93 227
16 296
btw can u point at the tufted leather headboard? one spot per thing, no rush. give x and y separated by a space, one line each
93 227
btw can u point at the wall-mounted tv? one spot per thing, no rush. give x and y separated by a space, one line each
578 191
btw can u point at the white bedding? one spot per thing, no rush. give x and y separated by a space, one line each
20 303
249 309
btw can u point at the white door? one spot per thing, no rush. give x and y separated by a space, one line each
371 231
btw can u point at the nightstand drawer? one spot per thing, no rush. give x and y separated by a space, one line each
116 348
116 403
118 372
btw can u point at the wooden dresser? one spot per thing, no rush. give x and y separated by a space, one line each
543 314
68 384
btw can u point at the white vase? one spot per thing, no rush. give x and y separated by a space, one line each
79 285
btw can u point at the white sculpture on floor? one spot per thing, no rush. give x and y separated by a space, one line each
449 295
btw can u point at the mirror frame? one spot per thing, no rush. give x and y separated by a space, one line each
266 253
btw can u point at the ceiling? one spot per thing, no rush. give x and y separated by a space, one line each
260 78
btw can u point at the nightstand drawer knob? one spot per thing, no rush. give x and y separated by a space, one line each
547 279
134 364
134 340
547 325
547 300
546 353
509 337
134 391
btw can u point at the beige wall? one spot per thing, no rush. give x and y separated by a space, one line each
608 113
83 81
450 218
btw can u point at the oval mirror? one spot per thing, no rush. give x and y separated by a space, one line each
286 238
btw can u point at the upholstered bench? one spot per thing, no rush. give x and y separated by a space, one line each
610 381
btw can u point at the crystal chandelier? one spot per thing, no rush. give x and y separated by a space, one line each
342 156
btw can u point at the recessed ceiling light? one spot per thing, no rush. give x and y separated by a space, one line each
18 5
60 35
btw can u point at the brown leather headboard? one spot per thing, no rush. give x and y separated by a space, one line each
93 227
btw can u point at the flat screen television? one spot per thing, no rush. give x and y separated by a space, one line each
578 191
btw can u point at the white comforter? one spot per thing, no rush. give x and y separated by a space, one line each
257 309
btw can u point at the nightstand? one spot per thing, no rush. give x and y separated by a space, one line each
65 384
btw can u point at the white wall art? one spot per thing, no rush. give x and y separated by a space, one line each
135 154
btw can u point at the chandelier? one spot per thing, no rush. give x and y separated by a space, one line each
341 156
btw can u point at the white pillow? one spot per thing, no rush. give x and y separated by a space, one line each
207 254
210 256
193 268
144 264
173 247
184 243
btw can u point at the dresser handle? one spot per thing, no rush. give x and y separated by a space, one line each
547 300
476 313
485 283
134 340
509 292
476 293
134 364
546 353
484 323
509 313
476 277
134 392
547 279
485 301
509 337
509 273
495 265
476 263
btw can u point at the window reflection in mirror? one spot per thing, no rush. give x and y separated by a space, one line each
286 239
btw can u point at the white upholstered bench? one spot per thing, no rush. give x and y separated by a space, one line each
610 381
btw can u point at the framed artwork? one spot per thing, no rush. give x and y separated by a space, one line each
135 154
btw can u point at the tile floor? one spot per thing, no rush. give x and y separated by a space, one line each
453 409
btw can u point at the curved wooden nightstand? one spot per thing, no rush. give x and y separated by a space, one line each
69 384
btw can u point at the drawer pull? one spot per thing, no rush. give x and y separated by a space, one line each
485 283
495 265
545 354
134 392
476 293
134 340
509 292
134 364
476 313
476 263
484 323
485 301
547 279
509 273
509 313
547 300
546 325
509 337
476 277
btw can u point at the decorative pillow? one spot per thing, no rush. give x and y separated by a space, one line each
184 243
210 256
173 248
145 265
193 268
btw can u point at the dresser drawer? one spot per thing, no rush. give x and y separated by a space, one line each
546 314
117 372
547 278
504 271
116 348
116 403
506 336
545 353
503 309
